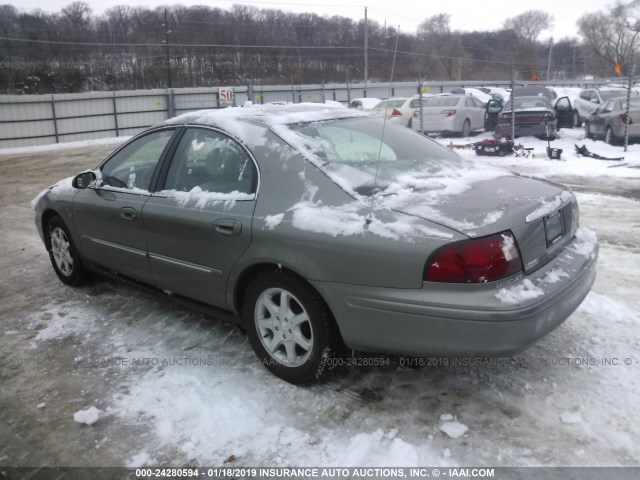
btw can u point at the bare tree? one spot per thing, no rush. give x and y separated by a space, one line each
613 35
530 24
436 37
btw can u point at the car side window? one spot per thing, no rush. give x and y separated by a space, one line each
132 167
211 161
468 102
608 106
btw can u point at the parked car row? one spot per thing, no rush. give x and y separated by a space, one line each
539 111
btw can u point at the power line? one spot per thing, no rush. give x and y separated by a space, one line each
213 45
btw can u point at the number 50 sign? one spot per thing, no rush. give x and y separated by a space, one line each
225 97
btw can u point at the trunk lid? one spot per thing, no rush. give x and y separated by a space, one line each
542 215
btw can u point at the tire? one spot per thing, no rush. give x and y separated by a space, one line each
576 119
587 131
296 343
63 254
466 128
610 138
410 124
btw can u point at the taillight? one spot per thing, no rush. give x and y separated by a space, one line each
448 113
475 261
548 117
396 113
624 119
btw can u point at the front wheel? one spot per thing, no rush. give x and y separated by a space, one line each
63 253
290 327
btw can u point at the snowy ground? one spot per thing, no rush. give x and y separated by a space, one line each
173 387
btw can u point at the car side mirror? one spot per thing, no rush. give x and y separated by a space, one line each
84 180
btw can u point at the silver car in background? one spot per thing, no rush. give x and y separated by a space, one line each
317 233
448 114
610 120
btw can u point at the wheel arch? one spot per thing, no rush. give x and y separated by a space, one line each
248 274
46 217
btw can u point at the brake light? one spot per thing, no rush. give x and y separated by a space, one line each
475 261
548 117
448 113
396 113
625 119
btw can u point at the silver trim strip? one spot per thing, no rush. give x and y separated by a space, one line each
182 263
135 251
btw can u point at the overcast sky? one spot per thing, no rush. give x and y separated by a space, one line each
465 14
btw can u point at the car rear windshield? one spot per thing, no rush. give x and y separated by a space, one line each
526 103
607 94
351 151
443 101
392 104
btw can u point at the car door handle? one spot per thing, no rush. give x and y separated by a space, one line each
227 226
128 213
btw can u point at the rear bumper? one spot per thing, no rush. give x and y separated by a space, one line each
450 319
538 130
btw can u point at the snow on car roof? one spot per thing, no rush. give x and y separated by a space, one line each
250 123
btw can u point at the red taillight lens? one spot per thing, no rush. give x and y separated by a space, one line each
624 118
475 261
396 113
448 113
548 117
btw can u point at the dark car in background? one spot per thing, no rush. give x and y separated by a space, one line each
610 120
534 117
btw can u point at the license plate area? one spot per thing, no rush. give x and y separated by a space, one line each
553 227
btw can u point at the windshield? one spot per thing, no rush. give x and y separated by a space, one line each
396 103
348 150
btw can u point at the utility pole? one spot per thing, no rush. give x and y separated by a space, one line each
366 51
166 41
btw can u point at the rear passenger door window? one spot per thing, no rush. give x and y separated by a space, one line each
211 161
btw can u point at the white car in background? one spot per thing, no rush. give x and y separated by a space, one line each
449 113
364 103
496 92
401 110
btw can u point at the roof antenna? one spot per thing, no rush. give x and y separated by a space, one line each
384 124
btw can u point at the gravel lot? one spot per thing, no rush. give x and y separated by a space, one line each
64 350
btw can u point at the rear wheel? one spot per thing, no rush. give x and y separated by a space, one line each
466 128
576 119
63 253
587 130
290 327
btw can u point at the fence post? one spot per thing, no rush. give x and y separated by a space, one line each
115 114
421 110
170 104
55 120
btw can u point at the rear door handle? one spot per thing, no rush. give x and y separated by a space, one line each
128 213
228 226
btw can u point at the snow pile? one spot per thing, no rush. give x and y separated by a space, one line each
549 207
87 417
605 307
570 417
139 460
520 293
586 242
554 275
272 221
198 198
454 429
